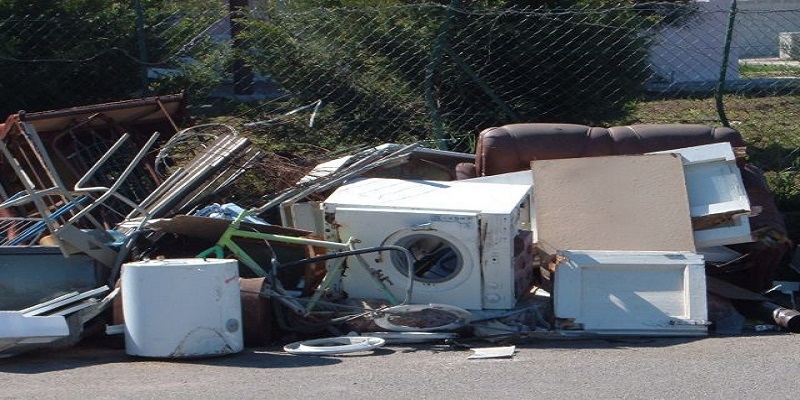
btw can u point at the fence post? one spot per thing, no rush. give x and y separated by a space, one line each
142 42
724 68
430 70
242 74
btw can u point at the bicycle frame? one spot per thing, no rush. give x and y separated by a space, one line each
334 271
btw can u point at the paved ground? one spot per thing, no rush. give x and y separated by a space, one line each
737 367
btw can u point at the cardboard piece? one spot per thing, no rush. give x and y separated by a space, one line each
633 203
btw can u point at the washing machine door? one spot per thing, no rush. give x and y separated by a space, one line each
445 253
444 245
440 252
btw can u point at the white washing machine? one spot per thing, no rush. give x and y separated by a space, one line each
461 234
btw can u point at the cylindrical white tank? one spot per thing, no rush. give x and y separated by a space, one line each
182 307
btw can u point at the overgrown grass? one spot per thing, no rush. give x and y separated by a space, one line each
751 71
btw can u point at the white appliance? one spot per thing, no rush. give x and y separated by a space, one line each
469 240
181 308
20 332
715 188
630 293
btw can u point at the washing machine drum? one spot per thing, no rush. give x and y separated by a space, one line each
437 257
445 252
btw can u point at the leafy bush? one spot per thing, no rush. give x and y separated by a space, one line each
401 73
57 54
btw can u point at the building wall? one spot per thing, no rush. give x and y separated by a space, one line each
692 51
759 23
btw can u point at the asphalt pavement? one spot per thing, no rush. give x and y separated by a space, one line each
757 365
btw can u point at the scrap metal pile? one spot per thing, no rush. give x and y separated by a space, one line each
110 217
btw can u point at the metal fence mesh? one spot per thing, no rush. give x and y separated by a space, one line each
324 77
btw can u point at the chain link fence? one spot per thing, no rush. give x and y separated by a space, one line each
310 78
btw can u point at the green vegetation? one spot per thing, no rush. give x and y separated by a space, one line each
384 71
751 70
58 54
417 73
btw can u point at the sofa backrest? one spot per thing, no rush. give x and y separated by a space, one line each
640 139
512 147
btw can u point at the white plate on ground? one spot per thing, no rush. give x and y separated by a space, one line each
334 345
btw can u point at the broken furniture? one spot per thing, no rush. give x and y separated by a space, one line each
715 175
622 243
73 139
62 174
512 148
53 160
64 224
630 293
585 201
75 213
718 202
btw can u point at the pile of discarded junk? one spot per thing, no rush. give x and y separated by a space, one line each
548 230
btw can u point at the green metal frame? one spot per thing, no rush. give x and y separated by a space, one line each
276 290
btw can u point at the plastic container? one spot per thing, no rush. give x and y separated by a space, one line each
180 308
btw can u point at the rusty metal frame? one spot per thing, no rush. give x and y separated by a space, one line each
161 111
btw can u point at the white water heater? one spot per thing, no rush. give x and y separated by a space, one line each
180 308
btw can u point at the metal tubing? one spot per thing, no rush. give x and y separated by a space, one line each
112 191
337 177
38 147
770 312
167 185
33 139
111 150
200 174
29 189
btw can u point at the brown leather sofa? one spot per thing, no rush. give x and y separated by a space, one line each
511 148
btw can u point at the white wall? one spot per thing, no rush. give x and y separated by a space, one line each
693 51
760 21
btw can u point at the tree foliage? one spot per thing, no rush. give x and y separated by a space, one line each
455 69
388 70
58 54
